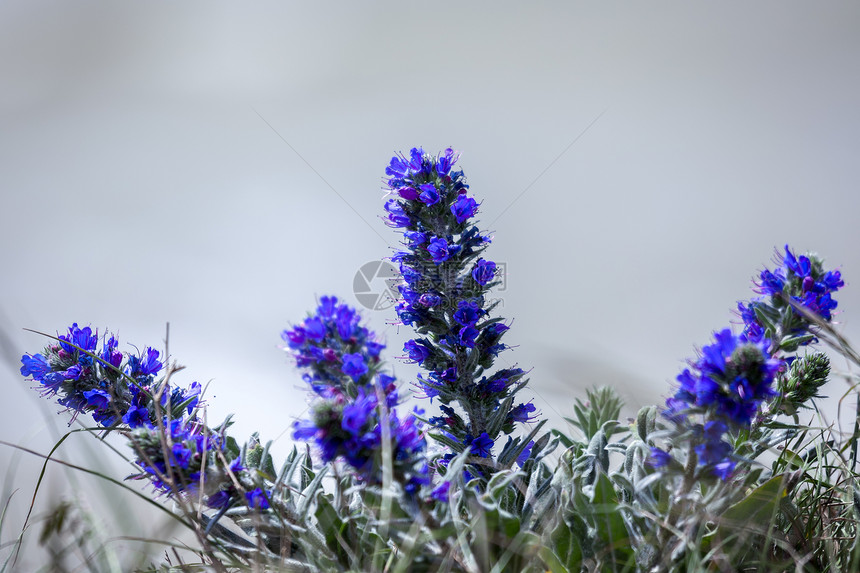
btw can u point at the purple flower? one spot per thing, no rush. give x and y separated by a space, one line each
439 250
408 193
397 217
219 499
463 208
522 413
258 499
418 350
429 195
441 492
146 365
354 365
79 338
467 336
483 272
136 416
525 454
35 366
467 313
446 160
97 398
482 445
659 458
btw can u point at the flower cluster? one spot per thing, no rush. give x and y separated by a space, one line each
116 388
722 391
354 400
338 353
173 448
443 297
725 386
186 457
175 464
799 281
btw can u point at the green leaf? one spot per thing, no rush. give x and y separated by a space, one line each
609 524
565 550
566 442
755 512
646 422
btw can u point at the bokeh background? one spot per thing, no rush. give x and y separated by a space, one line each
218 166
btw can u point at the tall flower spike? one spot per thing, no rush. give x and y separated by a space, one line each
444 298
345 373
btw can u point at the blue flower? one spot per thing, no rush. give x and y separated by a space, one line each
801 281
79 338
439 250
109 353
346 417
315 329
397 217
659 458
146 365
219 499
525 454
463 208
440 493
467 313
35 366
484 271
359 413
429 195
522 413
446 160
97 398
467 335
415 238
304 430
482 445
258 499
354 365
136 416
732 376
418 350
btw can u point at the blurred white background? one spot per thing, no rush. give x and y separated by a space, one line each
218 166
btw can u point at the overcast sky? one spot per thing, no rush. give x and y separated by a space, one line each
218 166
